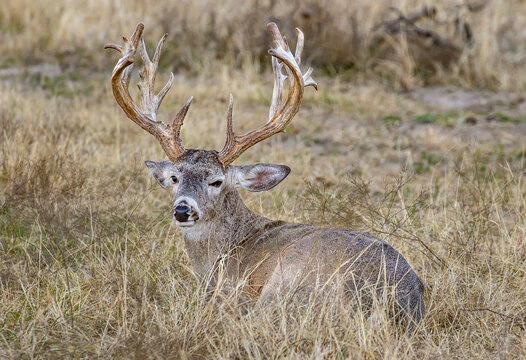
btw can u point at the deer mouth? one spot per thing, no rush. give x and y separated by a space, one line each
188 223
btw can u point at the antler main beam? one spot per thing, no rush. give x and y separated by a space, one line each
280 114
146 115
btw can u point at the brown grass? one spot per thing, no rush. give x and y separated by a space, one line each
92 266
341 35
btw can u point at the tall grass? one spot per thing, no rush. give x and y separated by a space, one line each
92 266
341 35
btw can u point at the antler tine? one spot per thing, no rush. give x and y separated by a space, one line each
150 101
230 137
308 80
299 46
177 123
279 115
146 115
277 92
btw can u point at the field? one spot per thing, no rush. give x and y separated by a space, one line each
420 142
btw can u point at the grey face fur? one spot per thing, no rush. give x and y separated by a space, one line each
200 181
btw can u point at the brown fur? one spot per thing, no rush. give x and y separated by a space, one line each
275 256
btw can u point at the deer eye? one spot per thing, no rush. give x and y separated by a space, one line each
216 183
174 179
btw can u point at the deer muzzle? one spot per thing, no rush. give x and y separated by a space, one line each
185 214
182 213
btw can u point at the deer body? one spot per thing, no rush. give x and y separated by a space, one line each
269 257
273 257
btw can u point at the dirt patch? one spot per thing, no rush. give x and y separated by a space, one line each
452 99
49 70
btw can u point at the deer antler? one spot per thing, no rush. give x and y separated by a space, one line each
280 114
146 115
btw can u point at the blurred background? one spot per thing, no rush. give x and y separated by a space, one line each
417 134
474 43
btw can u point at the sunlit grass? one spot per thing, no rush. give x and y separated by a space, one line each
92 265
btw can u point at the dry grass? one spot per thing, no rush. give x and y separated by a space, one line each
92 265
341 35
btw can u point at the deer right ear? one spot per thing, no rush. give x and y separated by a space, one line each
259 177
159 170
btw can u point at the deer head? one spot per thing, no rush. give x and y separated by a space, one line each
201 179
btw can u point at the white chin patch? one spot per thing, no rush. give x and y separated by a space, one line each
188 223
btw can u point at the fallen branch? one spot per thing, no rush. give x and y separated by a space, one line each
407 25
394 26
512 320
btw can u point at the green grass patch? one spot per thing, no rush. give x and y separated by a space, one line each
392 120
509 119
426 162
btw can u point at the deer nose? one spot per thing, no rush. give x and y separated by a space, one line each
182 213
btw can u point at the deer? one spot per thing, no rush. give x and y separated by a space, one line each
269 256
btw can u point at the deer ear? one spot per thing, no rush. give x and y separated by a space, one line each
259 177
159 170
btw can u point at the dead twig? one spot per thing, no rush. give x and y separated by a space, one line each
407 25
394 26
512 320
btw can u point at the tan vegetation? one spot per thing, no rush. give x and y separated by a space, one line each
341 35
91 264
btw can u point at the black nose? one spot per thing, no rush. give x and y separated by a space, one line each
182 213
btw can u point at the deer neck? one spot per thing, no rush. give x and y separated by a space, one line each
209 239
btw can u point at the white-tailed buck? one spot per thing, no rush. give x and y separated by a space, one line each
268 255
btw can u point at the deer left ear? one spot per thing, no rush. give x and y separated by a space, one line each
259 177
159 170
